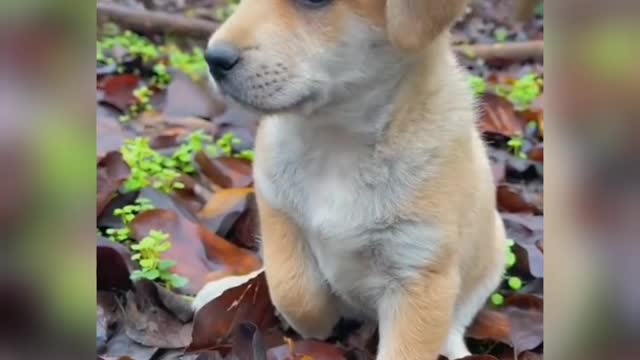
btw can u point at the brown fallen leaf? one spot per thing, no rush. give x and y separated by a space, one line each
247 343
245 231
525 312
490 325
224 208
226 172
149 324
106 319
527 232
245 302
499 117
200 255
306 350
118 90
113 265
514 200
112 172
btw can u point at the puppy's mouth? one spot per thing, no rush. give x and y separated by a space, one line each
264 105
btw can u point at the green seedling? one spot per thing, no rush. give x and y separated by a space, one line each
525 91
148 255
161 77
516 146
497 299
501 34
127 214
134 45
478 85
515 283
142 103
148 167
183 157
193 64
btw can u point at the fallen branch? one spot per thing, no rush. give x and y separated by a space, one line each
155 22
510 51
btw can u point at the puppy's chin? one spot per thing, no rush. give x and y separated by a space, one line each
301 104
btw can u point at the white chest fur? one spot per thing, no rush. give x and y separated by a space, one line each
345 196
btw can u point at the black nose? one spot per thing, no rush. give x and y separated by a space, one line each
221 58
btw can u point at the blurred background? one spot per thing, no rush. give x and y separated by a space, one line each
148 70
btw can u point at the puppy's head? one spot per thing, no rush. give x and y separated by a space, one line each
288 55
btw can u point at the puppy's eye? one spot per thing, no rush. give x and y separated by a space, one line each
314 4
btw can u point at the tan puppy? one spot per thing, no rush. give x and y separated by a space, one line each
374 188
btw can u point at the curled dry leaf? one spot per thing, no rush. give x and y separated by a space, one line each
200 255
499 117
224 208
113 265
306 350
226 172
227 304
518 324
112 172
245 231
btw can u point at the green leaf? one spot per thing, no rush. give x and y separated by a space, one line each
510 242
137 275
497 299
136 257
178 281
147 263
151 274
511 259
165 265
515 283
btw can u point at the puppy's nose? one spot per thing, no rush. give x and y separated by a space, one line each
221 58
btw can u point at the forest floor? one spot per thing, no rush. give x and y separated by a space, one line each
176 208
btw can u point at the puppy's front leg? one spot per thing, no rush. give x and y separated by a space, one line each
415 318
296 286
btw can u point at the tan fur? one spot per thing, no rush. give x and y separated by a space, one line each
421 246
310 307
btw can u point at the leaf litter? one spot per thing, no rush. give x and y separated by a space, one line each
224 311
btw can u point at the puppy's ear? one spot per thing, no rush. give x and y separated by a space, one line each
413 24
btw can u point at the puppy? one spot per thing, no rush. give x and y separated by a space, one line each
374 189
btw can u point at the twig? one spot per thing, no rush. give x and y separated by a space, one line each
155 22
510 51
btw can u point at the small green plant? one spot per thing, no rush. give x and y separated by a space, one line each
148 255
148 167
501 34
248 155
135 45
183 157
161 77
478 85
142 103
497 299
514 282
224 145
525 91
127 214
193 64
516 147
224 12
